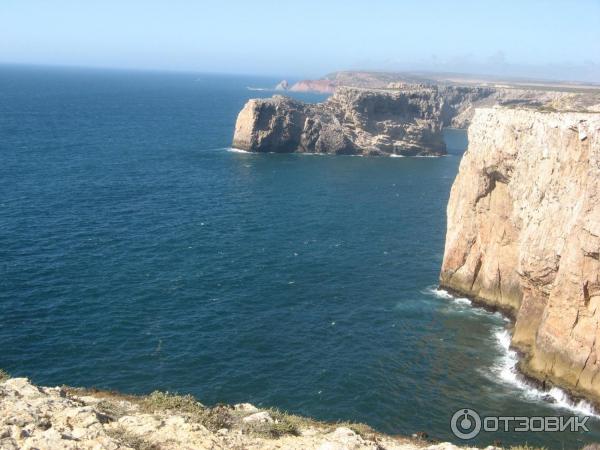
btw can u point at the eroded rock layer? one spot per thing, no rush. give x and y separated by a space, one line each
355 121
524 235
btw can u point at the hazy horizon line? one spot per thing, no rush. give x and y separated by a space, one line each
491 77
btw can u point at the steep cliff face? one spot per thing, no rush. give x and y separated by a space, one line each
524 235
408 121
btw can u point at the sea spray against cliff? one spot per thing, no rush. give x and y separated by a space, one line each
505 369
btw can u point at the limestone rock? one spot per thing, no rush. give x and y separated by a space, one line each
524 235
259 417
354 121
246 408
34 417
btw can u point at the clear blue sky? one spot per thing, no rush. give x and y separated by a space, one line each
558 39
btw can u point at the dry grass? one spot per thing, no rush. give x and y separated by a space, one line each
361 429
100 394
213 418
4 376
115 405
526 447
112 410
283 424
291 424
128 439
163 401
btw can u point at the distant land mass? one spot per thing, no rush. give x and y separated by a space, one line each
390 114
382 80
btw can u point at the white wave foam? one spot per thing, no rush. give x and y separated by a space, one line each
312 154
462 304
395 155
258 89
462 301
506 370
439 293
237 150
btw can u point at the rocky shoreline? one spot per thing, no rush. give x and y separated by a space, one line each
531 380
35 417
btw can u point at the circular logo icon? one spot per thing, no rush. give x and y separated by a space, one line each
465 423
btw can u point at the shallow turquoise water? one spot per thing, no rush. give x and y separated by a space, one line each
137 253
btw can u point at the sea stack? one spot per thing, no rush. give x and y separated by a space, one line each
524 236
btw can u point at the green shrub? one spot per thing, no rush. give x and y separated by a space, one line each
212 418
161 401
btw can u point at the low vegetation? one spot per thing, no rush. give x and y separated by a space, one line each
3 376
131 440
163 401
291 424
116 405
526 447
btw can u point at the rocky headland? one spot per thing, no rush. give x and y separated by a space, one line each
524 236
355 121
320 86
375 114
48 418
381 80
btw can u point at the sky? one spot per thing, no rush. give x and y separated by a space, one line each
303 39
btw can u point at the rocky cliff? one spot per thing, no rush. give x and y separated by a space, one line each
524 236
33 417
355 121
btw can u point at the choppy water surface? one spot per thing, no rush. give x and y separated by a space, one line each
137 253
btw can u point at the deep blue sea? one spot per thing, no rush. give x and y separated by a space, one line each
138 253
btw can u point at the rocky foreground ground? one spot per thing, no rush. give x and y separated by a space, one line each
47 418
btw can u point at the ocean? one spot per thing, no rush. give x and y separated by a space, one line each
138 252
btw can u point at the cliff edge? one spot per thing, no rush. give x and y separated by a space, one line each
523 235
33 417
